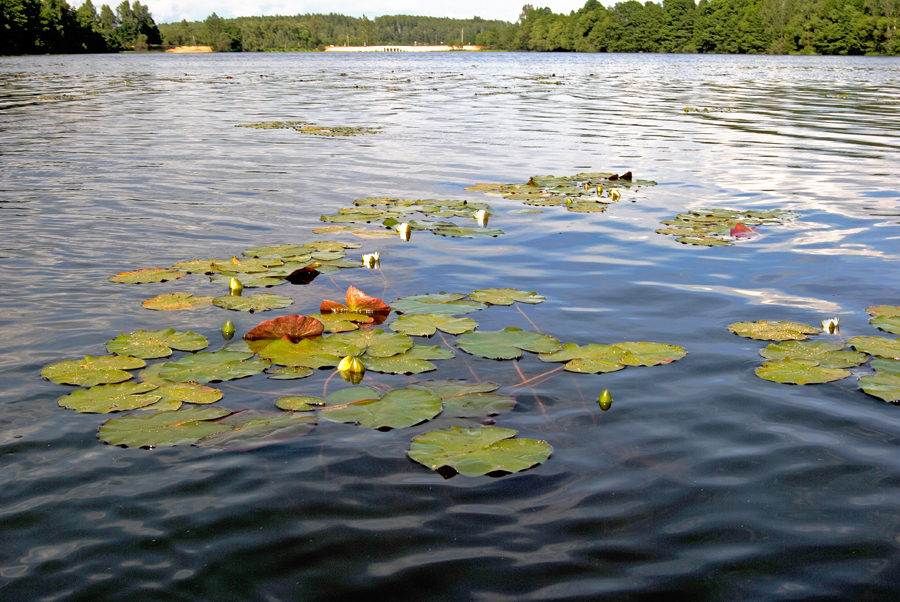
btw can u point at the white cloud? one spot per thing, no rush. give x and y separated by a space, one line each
166 11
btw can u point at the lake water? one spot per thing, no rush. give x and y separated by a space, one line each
702 481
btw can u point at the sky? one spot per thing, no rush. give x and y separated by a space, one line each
166 11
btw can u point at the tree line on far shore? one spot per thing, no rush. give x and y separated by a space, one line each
833 27
54 27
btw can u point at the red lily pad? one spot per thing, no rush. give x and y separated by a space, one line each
294 327
742 231
357 302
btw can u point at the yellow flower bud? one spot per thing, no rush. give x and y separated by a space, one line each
605 400
235 285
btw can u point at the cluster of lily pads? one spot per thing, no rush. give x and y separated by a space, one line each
305 127
794 360
581 193
395 213
720 227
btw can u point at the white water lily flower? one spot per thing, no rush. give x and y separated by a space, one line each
372 260
403 229
831 326
480 214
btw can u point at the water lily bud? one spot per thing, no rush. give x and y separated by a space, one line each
403 229
832 326
605 400
235 285
480 214
228 330
615 195
568 201
351 363
234 260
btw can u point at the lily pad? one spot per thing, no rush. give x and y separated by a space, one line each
294 326
829 355
799 372
351 394
376 343
398 408
289 373
880 346
703 241
92 370
468 400
277 251
506 344
299 403
209 367
477 451
149 344
254 429
506 296
425 325
309 353
260 280
885 317
593 359
335 229
414 361
374 234
342 322
103 399
467 232
161 429
246 265
357 302
147 275
444 304
252 303
885 366
173 301
188 393
196 266
764 330
884 386
163 405
886 311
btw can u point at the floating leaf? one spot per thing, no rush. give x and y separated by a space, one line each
468 400
173 301
506 344
710 227
149 344
424 325
444 304
525 211
147 275
254 429
277 251
188 393
414 361
163 405
886 311
103 399
799 372
163 428
829 355
398 408
477 451
245 265
260 280
252 303
467 232
298 403
884 386
593 359
294 326
335 229
92 370
880 346
208 367
309 353
289 373
885 366
764 330
375 234
506 296
196 266
342 322
376 343
885 317
703 241
357 302
351 394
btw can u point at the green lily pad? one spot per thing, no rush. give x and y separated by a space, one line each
252 303
330 245
277 251
398 408
173 301
260 280
103 399
703 241
889 324
336 229
245 265
829 355
880 346
764 330
414 361
444 304
375 343
289 373
477 451
468 400
525 211
163 405
299 403
92 370
147 275
342 322
884 311
188 393
593 359
149 344
425 325
351 394
161 429
884 386
885 366
254 429
799 372
506 296
467 232
196 266
208 367
309 353
506 344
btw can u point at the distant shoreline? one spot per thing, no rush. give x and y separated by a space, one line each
395 48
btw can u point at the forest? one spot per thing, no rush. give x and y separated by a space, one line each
830 27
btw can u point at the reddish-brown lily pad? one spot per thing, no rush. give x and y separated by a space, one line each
357 302
294 327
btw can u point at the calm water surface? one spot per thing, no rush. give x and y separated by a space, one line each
702 482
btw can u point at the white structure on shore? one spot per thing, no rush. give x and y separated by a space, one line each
399 48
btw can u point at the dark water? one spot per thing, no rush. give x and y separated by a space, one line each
702 482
